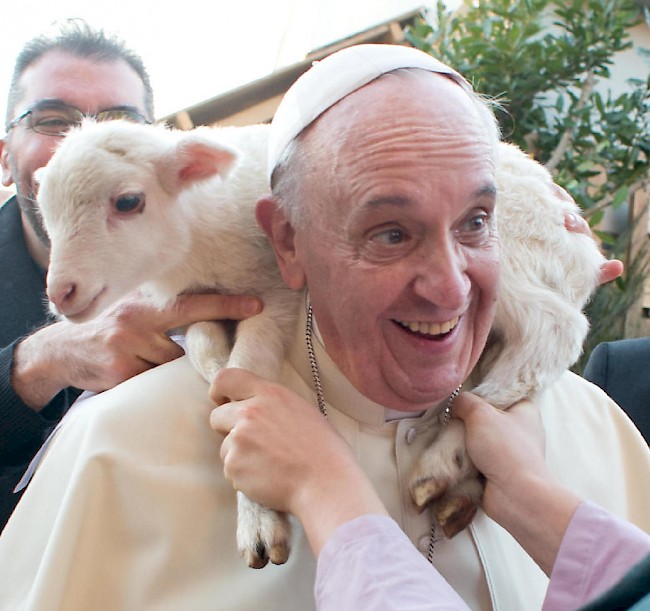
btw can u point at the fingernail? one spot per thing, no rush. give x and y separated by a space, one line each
251 305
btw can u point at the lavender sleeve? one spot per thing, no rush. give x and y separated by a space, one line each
597 550
370 564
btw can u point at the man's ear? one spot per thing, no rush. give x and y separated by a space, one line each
281 233
7 178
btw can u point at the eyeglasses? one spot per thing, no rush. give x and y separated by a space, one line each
56 119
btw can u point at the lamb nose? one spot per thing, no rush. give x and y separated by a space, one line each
63 296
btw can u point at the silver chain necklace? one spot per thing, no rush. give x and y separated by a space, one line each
320 398
444 420
312 360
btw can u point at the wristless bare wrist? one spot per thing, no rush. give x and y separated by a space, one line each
536 510
322 509
33 375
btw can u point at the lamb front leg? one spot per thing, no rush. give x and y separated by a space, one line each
262 534
208 347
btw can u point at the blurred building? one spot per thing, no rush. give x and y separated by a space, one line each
256 102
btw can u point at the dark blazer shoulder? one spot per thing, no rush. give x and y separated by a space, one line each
622 370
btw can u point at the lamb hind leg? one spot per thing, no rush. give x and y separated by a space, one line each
446 479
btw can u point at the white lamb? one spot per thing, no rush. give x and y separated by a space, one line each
130 205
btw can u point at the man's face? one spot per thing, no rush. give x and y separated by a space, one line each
399 249
85 83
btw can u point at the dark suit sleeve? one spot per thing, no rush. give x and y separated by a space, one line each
596 367
622 370
21 426
22 432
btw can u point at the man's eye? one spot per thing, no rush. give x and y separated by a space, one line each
478 222
53 122
389 236
476 228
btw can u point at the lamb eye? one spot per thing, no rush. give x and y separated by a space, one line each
131 202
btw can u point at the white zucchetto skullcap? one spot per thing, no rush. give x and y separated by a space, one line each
335 77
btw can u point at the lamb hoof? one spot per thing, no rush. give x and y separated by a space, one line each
279 553
262 534
258 558
425 490
455 515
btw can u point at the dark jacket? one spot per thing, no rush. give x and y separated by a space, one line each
23 308
622 370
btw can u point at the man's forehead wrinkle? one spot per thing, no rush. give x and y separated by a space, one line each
381 184
382 153
487 191
415 132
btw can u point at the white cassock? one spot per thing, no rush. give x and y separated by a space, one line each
129 509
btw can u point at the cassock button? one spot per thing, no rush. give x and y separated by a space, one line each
423 544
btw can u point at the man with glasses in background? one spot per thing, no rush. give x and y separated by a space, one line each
57 81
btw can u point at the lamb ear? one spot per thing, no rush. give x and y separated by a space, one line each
194 159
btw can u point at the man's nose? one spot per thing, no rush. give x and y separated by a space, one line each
442 278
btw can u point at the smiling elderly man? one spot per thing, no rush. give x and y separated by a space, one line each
383 207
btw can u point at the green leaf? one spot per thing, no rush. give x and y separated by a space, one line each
621 196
